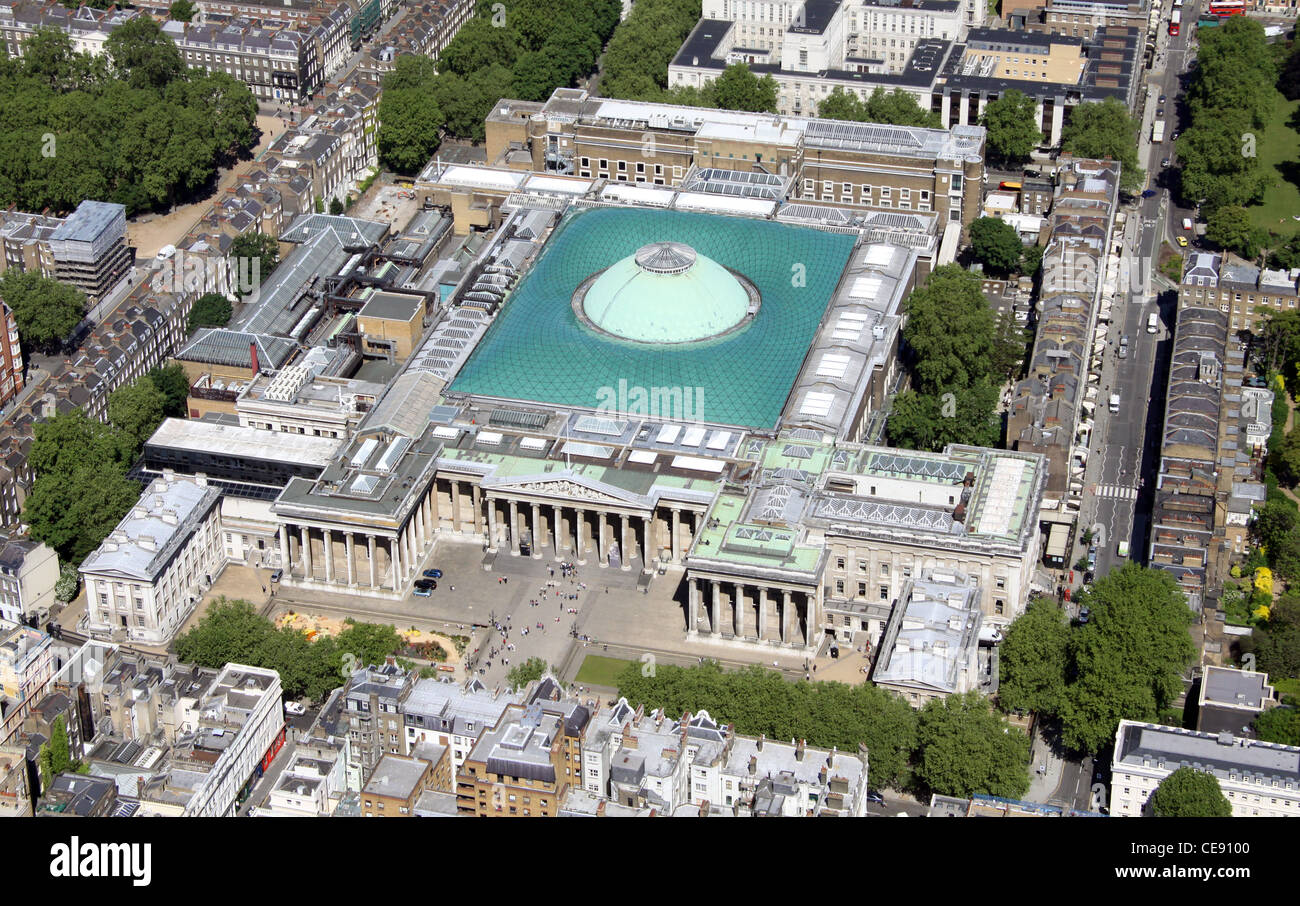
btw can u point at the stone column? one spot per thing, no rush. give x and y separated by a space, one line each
284 548
786 602
492 524
647 543
762 611
395 560
476 495
537 531
738 608
307 572
455 505
421 534
514 529
810 616
715 624
676 545
623 549
692 607
370 548
328 545
433 506
349 543
579 526
555 529
602 550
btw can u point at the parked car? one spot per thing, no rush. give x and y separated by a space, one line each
433 574
423 592
1165 162
275 576
873 796
1084 613
1162 99
426 583
1181 240
294 708
1160 112
1149 193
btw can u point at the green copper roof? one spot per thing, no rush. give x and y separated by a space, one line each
665 293
539 349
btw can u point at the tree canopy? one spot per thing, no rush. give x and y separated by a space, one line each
133 125
520 675
136 410
964 748
1127 661
1012 124
997 244
262 247
1280 725
1189 793
636 61
45 310
210 310
896 108
232 630
1230 97
1106 130
759 701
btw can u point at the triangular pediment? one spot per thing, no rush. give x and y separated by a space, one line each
566 486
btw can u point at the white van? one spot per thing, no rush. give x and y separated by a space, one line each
1153 323
1187 224
1114 402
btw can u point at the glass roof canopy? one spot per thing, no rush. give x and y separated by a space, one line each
537 349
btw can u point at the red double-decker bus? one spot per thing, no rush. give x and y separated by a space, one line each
1175 20
1225 8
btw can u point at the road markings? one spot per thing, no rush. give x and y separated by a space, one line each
1117 491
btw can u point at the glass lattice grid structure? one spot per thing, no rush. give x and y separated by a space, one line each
538 350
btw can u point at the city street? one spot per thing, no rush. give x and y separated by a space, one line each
1125 446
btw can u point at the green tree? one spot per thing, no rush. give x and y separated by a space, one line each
1010 346
45 310
1106 130
997 244
896 108
739 89
74 512
929 420
55 756
636 60
410 124
69 441
231 630
143 55
181 11
949 330
336 207
210 310
476 46
521 675
1189 793
1128 660
371 643
1213 168
264 248
136 410
1284 459
964 748
1280 725
1011 121
1032 660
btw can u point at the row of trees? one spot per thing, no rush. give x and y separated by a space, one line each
133 125
81 490
45 310
735 89
897 108
521 49
956 746
636 62
1231 100
1106 129
959 354
232 630
1125 662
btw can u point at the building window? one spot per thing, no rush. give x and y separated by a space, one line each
884 592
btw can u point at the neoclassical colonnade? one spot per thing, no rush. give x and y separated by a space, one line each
563 524
750 611
360 558
577 528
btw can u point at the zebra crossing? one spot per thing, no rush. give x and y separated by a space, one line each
1117 492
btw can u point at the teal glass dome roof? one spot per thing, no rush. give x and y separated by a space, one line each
664 293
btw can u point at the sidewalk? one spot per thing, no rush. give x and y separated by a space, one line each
1042 787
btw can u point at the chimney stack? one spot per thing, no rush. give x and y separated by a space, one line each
798 750
753 764
761 739
252 350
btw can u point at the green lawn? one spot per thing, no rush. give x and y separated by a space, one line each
1280 144
601 671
